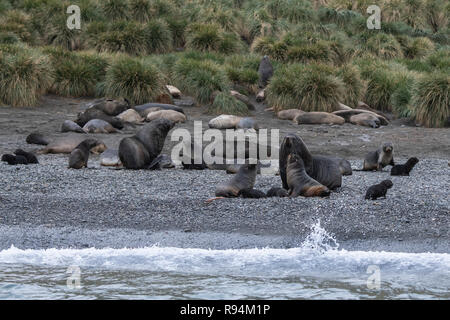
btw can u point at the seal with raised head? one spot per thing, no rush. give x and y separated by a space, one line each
378 190
377 160
244 179
265 72
299 182
80 155
67 144
404 169
99 126
70 126
325 170
37 138
138 151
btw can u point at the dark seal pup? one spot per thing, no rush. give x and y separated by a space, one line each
379 190
299 183
377 160
251 194
80 155
37 138
139 151
325 170
31 158
277 192
404 169
13 160
265 71
244 179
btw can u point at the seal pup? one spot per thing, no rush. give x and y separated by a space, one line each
70 126
377 160
378 190
298 181
138 151
325 170
244 179
99 126
13 160
251 194
265 72
80 155
37 138
31 158
404 169
277 192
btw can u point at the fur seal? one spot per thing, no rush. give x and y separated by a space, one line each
265 72
99 126
163 161
318 118
37 138
277 192
67 144
404 169
377 160
80 155
260 97
247 123
365 119
94 113
289 114
110 158
251 194
31 158
244 99
342 106
13 160
347 114
111 107
344 166
325 170
174 91
131 116
172 115
138 151
244 179
70 126
162 106
224 121
378 190
299 182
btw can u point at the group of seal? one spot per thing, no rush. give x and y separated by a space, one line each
20 157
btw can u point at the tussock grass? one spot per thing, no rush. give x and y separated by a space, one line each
224 103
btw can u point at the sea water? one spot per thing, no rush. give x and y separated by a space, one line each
317 269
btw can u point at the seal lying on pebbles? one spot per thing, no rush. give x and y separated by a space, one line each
277 192
138 151
318 118
289 114
70 126
172 115
347 114
67 144
378 190
404 169
37 138
131 116
325 170
13 160
31 158
365 119
299 182
251 194
110 158
80 155
244 179
224 121
93 113
265 72
377 160
99 126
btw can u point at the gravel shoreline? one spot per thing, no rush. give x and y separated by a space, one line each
416 211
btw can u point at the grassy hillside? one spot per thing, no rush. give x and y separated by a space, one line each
321 50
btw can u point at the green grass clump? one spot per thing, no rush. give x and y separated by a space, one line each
115 9
275 49
8 38
418 47
384 46
18 23
224 103
440 60
140 82
354 86
209 37
77 74
309 88
200 78
158 38
25 75
141 10
431 100
308 52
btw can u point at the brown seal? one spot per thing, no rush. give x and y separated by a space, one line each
244 179
377 160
